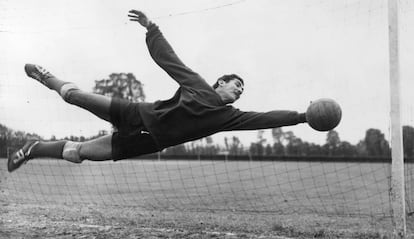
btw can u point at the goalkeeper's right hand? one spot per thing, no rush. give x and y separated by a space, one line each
140 17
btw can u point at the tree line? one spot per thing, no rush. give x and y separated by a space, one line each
287 143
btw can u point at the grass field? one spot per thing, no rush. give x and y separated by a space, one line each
193 198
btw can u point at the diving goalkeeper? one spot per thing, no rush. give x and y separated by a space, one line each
195 111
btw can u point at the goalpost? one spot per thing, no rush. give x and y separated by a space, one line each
397 194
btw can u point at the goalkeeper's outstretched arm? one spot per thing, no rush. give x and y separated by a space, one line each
163 54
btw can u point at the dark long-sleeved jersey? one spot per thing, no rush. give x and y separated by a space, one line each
196 110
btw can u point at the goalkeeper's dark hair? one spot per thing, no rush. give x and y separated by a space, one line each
227 78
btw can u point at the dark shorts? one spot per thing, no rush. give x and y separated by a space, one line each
131 138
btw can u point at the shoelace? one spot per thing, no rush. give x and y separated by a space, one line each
42 70
39 74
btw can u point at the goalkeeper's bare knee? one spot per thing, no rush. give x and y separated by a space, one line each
67 90
71 152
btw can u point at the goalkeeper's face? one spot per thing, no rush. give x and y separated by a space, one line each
230 91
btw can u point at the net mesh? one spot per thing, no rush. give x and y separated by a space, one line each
337 188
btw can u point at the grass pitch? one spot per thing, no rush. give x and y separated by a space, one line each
192 199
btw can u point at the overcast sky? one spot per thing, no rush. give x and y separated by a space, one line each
288 52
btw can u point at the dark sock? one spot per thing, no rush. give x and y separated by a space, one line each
302 118
48 149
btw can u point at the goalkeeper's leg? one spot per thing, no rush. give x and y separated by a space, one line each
94 103
96 150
